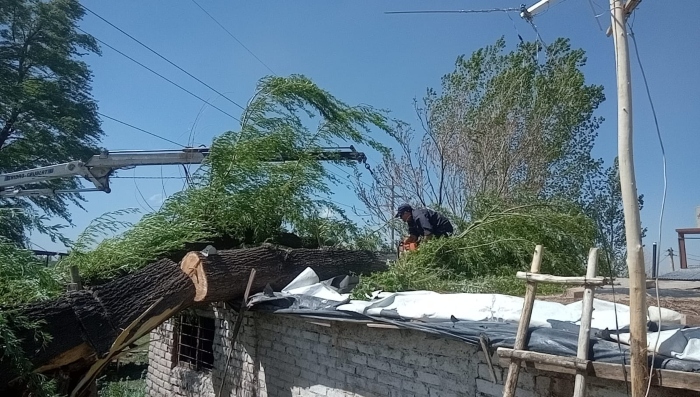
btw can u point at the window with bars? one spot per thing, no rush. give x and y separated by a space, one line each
195 342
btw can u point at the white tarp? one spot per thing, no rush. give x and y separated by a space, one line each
308 283
683 344
431 306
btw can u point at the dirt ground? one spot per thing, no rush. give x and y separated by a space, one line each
684 303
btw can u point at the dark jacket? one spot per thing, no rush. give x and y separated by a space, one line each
426 222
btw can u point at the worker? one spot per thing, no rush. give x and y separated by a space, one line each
423 223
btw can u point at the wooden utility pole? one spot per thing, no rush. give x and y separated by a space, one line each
633 233
671 255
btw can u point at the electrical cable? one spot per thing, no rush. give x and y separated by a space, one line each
161 56
663 199
234 37
596 15
487 10
163 77
140 129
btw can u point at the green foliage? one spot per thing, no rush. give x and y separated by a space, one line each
47 114
102 253
491 248
239 194
123 388
602 201
24 280
407 275
505 122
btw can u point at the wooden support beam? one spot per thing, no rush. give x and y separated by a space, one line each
75 282
523 325
572 363
383 326
584 336
681 250
549 279
660 377
237 326
485 347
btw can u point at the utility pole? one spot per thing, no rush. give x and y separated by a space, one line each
633 231
671 255
633 234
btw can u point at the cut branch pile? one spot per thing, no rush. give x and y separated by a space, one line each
90 327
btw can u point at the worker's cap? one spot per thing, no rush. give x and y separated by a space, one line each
403 208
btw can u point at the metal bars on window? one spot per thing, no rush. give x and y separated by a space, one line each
195 340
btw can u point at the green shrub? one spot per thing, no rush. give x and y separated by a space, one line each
485 253
123 388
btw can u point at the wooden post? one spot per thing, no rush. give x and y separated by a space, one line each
670 255
681 251
633 234
236 328
523 326
75 283
584 335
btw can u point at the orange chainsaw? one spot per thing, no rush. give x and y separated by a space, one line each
405 247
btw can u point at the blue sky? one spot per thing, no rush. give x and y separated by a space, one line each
362 55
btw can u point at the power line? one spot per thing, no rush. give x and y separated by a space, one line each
234 37
164 78
162 57
487 10
140 129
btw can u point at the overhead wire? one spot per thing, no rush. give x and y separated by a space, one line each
161 56
481 11
141 129
596 15
163 77
234 37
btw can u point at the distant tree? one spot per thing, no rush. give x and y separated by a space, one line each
47 113
504 124
602 201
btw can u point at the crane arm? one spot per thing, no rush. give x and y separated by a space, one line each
97 170
100 167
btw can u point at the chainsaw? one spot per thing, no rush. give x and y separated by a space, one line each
406 247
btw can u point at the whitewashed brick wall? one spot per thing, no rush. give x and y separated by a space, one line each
284 356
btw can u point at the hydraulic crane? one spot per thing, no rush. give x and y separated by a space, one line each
100 167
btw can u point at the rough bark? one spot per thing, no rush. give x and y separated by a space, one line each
85 324
222 276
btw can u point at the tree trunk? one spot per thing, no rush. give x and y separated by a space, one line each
84 325
222 276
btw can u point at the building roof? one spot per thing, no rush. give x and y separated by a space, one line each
682 275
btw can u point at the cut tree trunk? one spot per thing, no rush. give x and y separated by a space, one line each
212 275
84 325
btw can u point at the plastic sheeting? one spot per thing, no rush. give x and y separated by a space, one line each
430 306
554 327
683 344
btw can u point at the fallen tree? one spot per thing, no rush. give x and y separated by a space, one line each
89 327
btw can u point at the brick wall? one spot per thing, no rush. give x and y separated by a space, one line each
288 356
